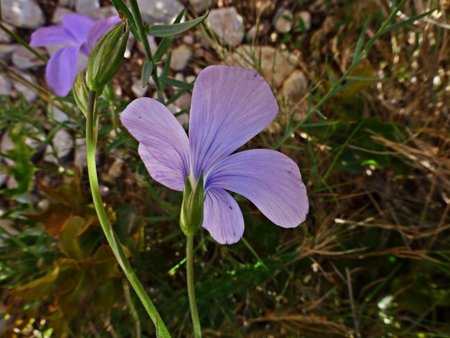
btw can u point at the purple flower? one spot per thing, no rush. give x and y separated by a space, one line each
230 105
79 34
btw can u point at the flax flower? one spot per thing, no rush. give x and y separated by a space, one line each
78 34
230 105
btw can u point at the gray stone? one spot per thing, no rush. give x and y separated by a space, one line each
302 22
26 88
295 87
59 12
157 11
104 12
181 55
184 101
200 5
227 24
6 52
258 30
66 3
87 7
283 20
22 13
62 145
23 58
5 37
276 66
80 152
137 89
5 85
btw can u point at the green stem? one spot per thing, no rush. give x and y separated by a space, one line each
190 283
113 241
148 53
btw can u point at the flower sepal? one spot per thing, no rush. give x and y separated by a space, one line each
81 92
106 57
191 217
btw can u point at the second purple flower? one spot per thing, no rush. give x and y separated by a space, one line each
78 33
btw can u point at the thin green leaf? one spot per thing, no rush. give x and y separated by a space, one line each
409 21
166 69
361 38
146 72
165 42
176 96
176 83
176 28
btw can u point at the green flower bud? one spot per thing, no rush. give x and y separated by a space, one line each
106 57
191 217
81 92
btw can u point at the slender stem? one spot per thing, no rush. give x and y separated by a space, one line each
190 284
148 53
113 241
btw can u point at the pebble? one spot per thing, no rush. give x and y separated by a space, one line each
87 7
5 85
29 94
295 87
57 114
276 66
66 3
264 7
6 52
184 101
104 12
190 78
157 11
258 30
5 37
59 12
137 89
280 21
227 24
23 58
200 5
22 13
181 55
302 22
62 145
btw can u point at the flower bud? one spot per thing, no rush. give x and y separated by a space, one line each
191 217
106 57
81 92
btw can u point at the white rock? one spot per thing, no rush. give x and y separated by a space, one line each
104 12
87 7
23 58
22 13
276 66
295 87
227 24
62 145
258 30
159 71
59 12
29 94
6 52
57 114
283 20
181 55
302 21
5 37
184 101
158 11
3 179
188 39
190 78
66 3
5 85
137 89
200 5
